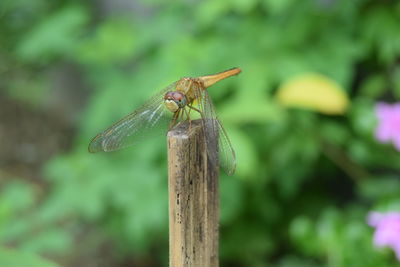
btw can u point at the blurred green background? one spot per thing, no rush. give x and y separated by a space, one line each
306 177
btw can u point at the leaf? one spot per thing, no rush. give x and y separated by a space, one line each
380 31
18 196
277 6
363 117
301 231
18 258
243 6
380 187
114 41
54 241
396 83
57 35
315 92
210 11
374 86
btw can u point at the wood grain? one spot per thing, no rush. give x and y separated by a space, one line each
193 198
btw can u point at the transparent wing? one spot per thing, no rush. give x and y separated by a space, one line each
213 128
137 125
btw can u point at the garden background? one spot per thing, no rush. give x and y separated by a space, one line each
306 117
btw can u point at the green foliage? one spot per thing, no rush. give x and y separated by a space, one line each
57 35
16 258
113 41
305 181
335 234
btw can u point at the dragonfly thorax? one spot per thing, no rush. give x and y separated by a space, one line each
174 100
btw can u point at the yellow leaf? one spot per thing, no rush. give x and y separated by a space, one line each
315 92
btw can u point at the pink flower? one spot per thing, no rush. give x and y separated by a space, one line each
388 129
387 230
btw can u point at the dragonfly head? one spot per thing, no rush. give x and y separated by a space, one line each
174 100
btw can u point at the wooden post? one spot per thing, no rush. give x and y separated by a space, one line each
193 199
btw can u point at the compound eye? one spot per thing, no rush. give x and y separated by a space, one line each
178 97
169 95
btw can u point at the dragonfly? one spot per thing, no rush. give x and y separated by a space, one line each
166 109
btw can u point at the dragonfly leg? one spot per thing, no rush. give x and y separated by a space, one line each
174 118
196 109
181 115
188 118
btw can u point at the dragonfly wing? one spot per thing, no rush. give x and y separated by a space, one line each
213 128
135 126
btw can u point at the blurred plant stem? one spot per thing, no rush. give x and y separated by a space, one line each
343 161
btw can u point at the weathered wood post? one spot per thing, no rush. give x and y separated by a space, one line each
193 199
